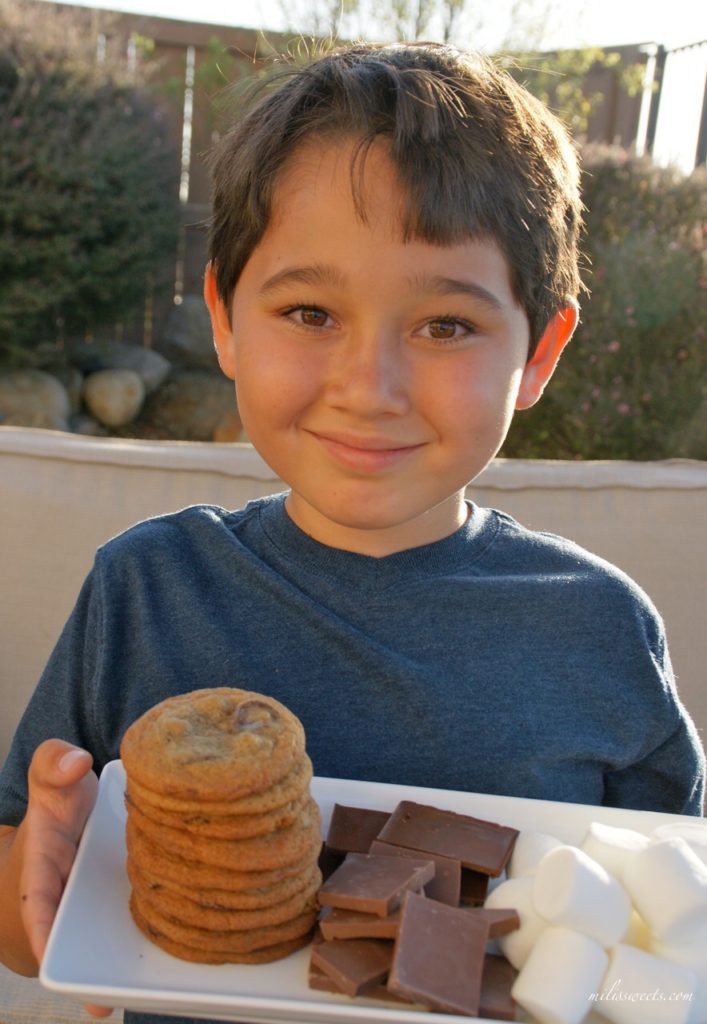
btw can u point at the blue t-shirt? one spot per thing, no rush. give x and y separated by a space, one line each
496 660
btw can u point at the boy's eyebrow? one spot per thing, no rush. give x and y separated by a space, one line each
420 284
438 284
316 273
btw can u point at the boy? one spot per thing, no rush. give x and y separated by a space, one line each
393 272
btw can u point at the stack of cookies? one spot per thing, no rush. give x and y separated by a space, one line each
223 835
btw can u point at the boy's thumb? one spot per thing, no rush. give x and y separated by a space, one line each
58 763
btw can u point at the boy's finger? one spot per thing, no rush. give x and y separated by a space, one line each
57 763
39 906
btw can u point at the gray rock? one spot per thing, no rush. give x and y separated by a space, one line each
150 366
72 379
82 423
188 407
35 418
114 397
33 398
188 339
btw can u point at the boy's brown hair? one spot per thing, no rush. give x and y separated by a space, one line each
476 154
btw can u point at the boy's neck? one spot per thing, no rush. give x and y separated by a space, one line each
377 542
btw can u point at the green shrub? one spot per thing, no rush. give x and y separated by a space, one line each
631 385
88 194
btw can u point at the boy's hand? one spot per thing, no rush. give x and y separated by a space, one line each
62 792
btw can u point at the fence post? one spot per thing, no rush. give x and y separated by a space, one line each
660 59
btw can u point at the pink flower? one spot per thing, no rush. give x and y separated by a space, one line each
623 409
613 346
595 392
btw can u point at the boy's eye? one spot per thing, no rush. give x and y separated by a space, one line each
447 329
308 316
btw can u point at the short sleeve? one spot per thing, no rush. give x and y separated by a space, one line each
61 705
671 778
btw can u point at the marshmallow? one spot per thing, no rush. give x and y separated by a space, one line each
640 988
667 882
571 889
517 893
639 934
559 978
528 851
694 956
611 846
693 832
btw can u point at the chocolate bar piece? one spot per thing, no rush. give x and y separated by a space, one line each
497 980
329 861
373 883
500 920
473 889
353 829
446 884
336 923
323 983
354 965
439 956
478 844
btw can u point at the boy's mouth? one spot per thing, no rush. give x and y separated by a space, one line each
365 453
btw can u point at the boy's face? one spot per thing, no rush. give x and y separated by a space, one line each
377 377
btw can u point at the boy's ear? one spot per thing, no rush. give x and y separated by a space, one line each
541 366
220 323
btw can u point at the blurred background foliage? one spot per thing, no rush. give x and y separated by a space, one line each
89 209
632 383
88 200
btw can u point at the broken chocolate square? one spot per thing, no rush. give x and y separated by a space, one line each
354 965
336 923
329 861
323 983
473 888
373 883
353 829
478 844
446 884
439 956
500 920
497 980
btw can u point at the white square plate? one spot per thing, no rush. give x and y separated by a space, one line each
96 954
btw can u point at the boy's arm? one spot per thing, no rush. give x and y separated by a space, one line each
15 950
36 857
671 778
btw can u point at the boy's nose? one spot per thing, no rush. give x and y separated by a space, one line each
369 375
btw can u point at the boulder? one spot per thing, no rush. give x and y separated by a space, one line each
82 423
188 407
229 428
33 398
149 365
187 338
72 379
114 397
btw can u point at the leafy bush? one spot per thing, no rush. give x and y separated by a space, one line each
88 193
632 383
